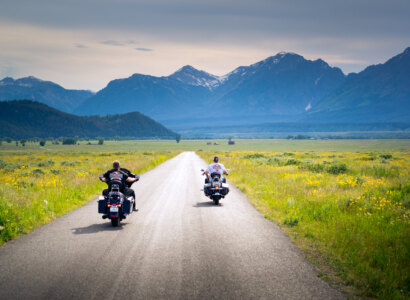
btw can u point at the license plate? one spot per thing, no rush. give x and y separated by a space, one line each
113 209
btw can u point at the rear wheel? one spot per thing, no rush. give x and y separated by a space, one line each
216 201
115 222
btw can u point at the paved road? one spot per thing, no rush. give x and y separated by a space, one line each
179 246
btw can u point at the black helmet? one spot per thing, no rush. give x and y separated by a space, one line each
216 159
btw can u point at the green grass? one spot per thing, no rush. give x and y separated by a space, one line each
38 186
344 202
240 144
348 211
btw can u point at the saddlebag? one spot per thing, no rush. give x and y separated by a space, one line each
126 206
102 205
207 190
225 191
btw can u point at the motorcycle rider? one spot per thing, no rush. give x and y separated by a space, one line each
125 180
217 168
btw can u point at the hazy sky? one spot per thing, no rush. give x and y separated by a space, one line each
86 43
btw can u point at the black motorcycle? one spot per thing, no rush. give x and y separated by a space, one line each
116 206
215 188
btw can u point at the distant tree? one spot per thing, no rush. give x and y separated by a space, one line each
69 141
42 143
17 143
23 142
1 142
101 141
178 138
8 139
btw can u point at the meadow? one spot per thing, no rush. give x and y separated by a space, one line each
345 203
349 211
39 185
222 144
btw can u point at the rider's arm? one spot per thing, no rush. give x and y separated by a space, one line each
104 177
133 179
224 170
208 171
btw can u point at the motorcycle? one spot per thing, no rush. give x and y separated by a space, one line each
215 188
116 206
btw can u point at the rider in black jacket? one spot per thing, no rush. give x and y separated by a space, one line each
123 176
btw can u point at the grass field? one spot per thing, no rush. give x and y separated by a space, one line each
39 185
348 210
243 144
344 202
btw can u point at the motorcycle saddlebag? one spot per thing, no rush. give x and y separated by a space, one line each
126 206
225 191
102 204
207 190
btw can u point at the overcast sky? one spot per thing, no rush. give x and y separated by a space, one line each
83 44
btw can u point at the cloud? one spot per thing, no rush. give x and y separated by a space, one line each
112 43
144 49
215 35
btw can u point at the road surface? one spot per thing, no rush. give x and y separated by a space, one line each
178 246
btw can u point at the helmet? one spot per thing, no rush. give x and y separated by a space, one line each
216 159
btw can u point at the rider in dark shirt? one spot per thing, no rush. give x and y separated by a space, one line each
120 176
129 174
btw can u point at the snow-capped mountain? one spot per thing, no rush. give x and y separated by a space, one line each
283 84
279 88
192 76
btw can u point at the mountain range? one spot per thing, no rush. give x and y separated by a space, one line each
380 93
282 88
46 92
26 119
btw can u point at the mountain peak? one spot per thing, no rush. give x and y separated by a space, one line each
46 92
6 80
189 75
278 58
284 53
187 68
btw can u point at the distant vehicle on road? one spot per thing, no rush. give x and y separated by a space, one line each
215 187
